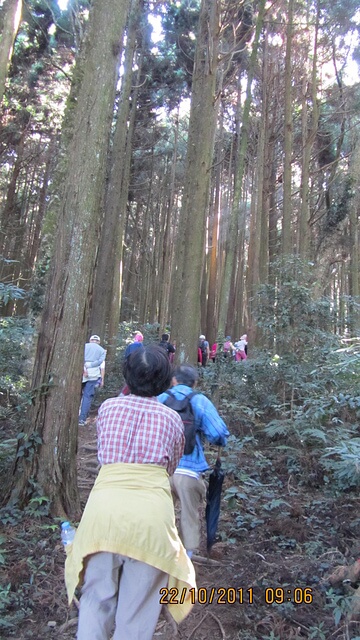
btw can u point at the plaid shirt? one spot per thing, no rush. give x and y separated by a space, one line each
139 430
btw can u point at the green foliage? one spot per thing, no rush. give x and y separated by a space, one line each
38 506
7 451
9 601
44 26
339 604
38 287
10 292
15 344
28 444
300 388
15 347
175 58
295 323
26 559
343 463
317 632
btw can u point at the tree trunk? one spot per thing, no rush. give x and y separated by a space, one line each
166 258
263 168
106 302
10 17
308 139
287 245
145 252
251 271
230 254
56 384
354 289
131 269
203 111
212 312
274 209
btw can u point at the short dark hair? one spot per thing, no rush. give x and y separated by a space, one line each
148 371
186 374
165 337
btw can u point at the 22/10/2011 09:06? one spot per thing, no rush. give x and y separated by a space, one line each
232 595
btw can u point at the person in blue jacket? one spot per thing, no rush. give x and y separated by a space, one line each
188 483
136 344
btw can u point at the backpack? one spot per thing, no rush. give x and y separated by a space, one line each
184 409
202 346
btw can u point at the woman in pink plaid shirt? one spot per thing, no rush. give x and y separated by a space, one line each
126 548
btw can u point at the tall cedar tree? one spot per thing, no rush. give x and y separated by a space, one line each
56 383
203 113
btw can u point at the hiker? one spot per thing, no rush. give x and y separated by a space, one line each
205 350
137 343
126 550
93 375
213 351
187 483
229 348
172 355
133 346
166 344
241 349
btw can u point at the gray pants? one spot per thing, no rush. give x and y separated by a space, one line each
119 590
191 492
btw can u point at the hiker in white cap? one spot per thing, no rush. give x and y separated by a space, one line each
204 348
93 374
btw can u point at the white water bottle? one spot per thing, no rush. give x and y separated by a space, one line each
67 533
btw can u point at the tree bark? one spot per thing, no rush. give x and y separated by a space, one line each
10 20
263 167
230 254
167 253
212 312
203 111
354 288
287 245
56 384
107 290
308 139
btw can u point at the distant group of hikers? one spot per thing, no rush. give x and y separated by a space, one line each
94 361
127 554
236 351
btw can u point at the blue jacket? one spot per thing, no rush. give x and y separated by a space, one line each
208 424
132 347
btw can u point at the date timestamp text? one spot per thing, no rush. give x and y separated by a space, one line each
232 595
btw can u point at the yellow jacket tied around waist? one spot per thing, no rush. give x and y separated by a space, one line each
130 511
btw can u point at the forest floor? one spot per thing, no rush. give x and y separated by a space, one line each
268 578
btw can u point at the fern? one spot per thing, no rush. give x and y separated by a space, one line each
343 462
314 434
279 428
